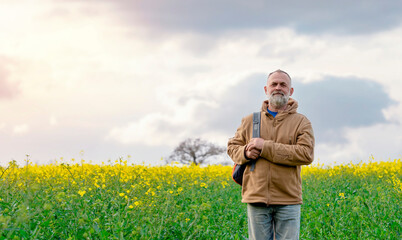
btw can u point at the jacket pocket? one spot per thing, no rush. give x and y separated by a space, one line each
285 184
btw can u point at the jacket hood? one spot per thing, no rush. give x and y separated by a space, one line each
291 108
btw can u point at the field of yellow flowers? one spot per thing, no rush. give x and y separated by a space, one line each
120 201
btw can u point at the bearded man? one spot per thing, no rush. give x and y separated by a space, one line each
272 188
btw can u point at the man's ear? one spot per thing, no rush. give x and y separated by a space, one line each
265 89
291 91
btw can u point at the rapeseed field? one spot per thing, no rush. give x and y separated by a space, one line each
120 201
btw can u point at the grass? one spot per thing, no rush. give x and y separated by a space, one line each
85 201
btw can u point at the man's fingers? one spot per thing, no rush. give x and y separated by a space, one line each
254 149
251 147
253 154
250 154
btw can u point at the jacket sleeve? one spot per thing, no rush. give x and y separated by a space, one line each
301 153
237 144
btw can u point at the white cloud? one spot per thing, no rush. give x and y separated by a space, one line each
53 121
159 129
21 129
394 113
147 131
380 141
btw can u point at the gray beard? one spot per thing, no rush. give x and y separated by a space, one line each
278 101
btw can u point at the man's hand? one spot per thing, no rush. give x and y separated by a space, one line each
255 143
253 154
254 147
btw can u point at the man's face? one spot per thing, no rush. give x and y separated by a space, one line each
278 89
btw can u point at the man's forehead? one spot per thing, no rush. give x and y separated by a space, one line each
279 77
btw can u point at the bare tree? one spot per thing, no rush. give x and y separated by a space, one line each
195 151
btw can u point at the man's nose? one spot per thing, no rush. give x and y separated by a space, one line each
278 87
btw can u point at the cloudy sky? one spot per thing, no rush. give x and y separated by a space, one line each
100 80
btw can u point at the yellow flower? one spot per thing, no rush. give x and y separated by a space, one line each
121 194
131 206
224 184
81 193
342 195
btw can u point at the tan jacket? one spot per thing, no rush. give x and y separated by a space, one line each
289 143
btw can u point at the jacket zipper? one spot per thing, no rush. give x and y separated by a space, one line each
269 165
269 184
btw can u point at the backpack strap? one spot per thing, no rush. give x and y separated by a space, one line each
256 131
256 124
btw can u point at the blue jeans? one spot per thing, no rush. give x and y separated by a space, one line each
281 221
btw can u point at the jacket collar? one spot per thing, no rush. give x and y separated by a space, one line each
291 108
